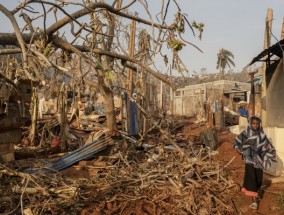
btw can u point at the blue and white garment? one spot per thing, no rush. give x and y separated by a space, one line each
256 147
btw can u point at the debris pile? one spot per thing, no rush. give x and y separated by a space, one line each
157 178
161 181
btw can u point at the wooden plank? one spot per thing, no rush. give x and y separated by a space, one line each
96 118
7 157
6 148
28 211
12 136
9 122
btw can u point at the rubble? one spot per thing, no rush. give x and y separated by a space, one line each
156 179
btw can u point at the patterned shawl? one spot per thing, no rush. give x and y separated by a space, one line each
256 147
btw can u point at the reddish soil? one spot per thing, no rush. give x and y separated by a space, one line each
226 154
269 193
268 205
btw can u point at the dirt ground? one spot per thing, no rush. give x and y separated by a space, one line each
269 191
225 154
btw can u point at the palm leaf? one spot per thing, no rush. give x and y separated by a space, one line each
230 61
228 53
225 58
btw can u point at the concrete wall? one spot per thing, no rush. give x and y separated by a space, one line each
275 117
177 105
190 100
276 136
275 98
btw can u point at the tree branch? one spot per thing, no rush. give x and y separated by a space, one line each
19 38
126 58
10 51
11 38
56 26
21 6
60 43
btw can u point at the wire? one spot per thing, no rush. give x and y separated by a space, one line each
274 36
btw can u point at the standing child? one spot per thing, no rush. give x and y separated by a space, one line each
258 153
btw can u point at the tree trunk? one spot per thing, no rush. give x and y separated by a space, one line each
34 116
220 115
109 110
62 109
222 75
109 103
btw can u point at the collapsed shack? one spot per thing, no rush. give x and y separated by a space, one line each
42 119
10 121
207 100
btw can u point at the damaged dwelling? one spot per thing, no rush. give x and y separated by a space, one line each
271 101
94 118
216 102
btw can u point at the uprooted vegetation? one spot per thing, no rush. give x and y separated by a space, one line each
60 95
155 179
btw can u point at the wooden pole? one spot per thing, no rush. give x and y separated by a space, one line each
221 109
123 105
130 75
34 116
171 94
131 53
282 31
252 92
63 118
161 95
267 41
118 4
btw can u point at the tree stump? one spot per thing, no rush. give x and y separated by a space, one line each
210 138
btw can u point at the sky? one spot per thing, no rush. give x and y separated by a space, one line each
237 26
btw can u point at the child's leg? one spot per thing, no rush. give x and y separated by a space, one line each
259 177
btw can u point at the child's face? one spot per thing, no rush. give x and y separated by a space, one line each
255 124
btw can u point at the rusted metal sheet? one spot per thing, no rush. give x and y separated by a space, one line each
8 122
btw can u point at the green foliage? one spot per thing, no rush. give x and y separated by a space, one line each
109 75
176 44
179 23
99 65
180 27
48 50
181 69
224 59
199 27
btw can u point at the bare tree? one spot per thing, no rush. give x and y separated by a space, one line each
97 40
